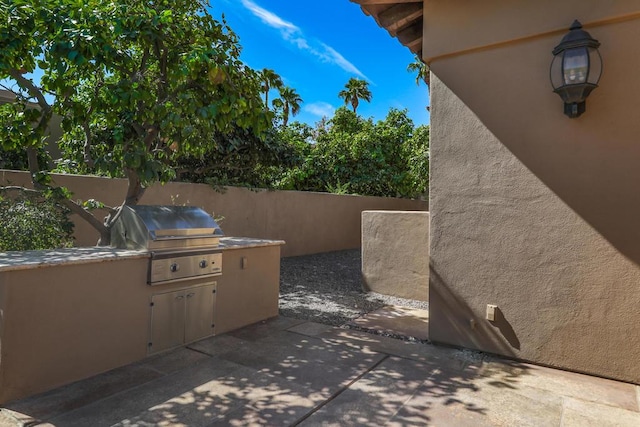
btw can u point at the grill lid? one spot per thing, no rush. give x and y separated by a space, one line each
164 227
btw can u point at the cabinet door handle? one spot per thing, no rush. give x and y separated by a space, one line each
180 297
189 295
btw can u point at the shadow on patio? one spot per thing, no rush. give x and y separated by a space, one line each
291 372
281 372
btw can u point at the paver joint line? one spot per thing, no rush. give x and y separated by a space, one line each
415 392
198 351
112 396
562 408
339 392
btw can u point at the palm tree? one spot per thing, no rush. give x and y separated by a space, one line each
422 70
270 80
354 91
290 102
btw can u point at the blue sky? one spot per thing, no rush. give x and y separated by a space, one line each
317 46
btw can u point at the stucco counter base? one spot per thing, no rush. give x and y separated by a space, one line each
69 314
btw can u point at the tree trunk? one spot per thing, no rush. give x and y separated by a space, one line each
135 189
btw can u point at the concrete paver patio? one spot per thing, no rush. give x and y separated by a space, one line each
395 320
291 372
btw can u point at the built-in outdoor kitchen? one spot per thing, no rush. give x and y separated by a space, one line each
169 279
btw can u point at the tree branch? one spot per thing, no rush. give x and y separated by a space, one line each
18 188
87 145
34 167
136 75
86 128
114 214
152 133
30 87
45 116
8 89
85 215
162 57
139 130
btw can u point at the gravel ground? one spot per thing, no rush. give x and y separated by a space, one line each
326 288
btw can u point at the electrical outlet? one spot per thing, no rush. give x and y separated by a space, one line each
491 312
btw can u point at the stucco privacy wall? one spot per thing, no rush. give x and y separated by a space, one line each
395 253
308 222
530 210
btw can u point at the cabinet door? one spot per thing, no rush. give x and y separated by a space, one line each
167 320
199 316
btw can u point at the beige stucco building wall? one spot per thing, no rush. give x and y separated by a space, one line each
308 222
530 210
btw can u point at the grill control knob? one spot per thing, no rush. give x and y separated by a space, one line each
174 267
203 263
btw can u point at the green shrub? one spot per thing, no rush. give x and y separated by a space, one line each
33 221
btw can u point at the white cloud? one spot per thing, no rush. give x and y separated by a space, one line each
270 18
294 35
334 56
301 43
320 109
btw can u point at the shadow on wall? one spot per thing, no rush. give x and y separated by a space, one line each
506 329
534 211
455 320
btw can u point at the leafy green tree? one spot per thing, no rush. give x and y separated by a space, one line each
138 84
418 159
17 160
299 137
270 80
356 155
32 220
242 160
289 101
354 91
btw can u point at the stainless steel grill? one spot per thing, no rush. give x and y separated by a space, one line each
183 241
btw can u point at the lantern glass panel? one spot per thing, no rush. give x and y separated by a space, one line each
596 66
556 72
575 66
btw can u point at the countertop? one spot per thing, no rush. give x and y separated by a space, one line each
23 260
247 242
34 259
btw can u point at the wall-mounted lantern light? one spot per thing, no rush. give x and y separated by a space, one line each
576 69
